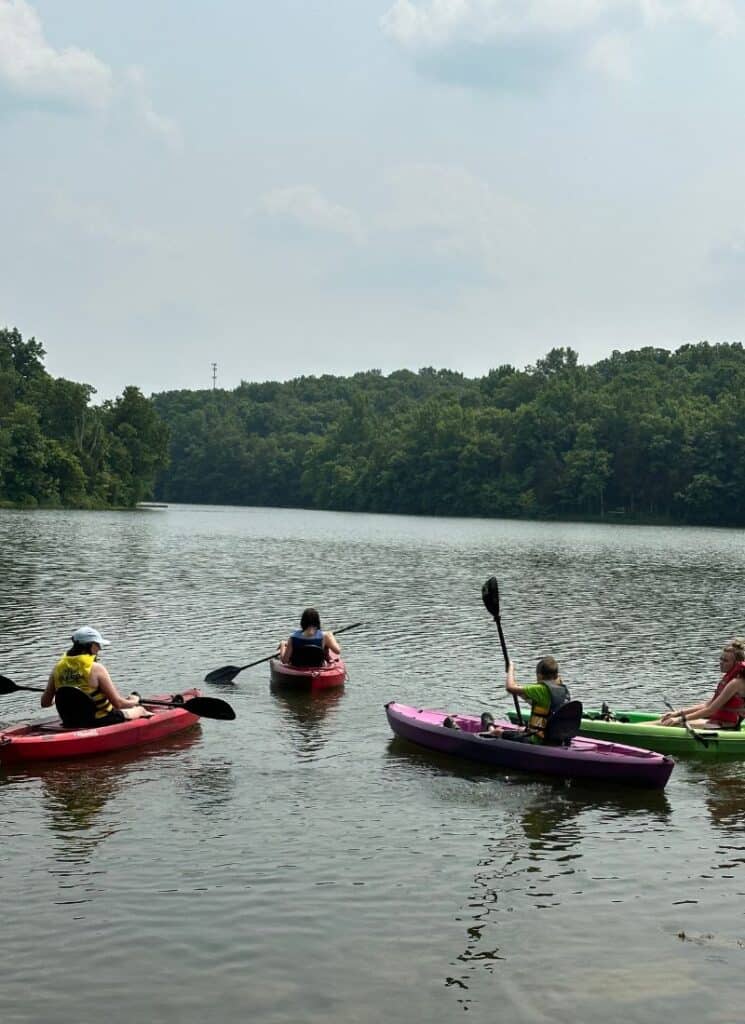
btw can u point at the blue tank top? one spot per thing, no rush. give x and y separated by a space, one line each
300 640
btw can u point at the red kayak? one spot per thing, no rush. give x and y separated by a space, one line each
49 739
332 673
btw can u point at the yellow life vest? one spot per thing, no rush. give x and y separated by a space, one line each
75 670
540 714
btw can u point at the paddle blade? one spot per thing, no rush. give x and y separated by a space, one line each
210 707
490 596
226 674
7 685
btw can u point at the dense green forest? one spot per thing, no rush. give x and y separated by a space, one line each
58 449
645 435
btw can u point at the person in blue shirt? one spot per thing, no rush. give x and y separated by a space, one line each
310 635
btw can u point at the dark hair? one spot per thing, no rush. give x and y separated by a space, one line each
80 649
310 617
547 668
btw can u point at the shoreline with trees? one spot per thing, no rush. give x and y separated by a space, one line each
57 450
646 436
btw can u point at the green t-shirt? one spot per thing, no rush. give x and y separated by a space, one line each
537 693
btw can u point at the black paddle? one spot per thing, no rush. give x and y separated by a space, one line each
490 597
696 735
205 707
227 673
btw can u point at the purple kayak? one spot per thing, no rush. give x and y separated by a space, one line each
581 758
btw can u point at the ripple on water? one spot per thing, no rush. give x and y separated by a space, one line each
299 864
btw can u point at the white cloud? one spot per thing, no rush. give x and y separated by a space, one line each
96 221
34 74
436 227
304 205
611 55
33 71
456 215
596 32
159 125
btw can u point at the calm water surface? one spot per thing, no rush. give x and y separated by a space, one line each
301 865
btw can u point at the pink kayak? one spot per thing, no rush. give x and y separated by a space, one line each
48 739
332 673
579 758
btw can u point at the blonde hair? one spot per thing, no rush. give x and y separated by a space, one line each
737 646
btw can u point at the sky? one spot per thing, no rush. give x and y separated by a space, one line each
285 188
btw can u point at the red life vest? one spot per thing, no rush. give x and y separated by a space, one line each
734 709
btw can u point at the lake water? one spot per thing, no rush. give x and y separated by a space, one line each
299 864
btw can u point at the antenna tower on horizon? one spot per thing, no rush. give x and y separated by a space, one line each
214 375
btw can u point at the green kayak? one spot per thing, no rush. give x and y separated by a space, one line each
628 727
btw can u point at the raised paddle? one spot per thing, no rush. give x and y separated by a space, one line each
205 707
490 597
227 673
696 735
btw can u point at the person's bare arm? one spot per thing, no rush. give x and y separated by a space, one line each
330 642
287 653
47 698
104 682
692 712
734 688
510 685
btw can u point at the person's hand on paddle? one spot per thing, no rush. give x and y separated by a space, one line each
135 699
509 680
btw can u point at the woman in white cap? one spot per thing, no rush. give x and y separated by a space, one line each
79 668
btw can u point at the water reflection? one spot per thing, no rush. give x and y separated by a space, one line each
74 794
304 715
538 874
539 831
725 796
209 785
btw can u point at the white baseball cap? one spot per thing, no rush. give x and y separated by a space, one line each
88 635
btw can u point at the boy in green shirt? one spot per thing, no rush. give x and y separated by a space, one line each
545 696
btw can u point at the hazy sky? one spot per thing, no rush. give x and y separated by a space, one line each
288 187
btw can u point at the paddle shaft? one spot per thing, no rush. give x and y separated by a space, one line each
518 712
492 605
696 735
8 686
206 707
229 672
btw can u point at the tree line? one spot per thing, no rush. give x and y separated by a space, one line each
646 435
57 449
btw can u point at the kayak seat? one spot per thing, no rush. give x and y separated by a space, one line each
307 657
564 724
75 708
